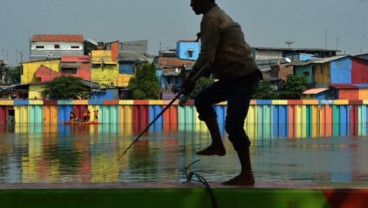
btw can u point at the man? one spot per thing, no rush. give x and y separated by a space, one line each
224 49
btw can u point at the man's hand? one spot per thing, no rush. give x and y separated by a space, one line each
188 86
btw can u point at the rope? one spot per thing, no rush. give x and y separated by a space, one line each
202 180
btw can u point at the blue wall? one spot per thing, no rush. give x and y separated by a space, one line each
184 48
109 94
341 71
126 68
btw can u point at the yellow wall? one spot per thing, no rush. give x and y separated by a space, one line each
322 73
363 94
35 91
107 75
30 68
104 69
123 80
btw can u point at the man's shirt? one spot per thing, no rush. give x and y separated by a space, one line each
223 46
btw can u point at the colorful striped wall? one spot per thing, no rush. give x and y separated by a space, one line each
266 118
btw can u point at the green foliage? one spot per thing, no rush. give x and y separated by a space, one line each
14 75
265 91
145 84
65 87
201 84
293 88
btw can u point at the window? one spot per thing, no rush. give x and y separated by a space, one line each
190 52
75 47
306 74
40 47
57 46
69 71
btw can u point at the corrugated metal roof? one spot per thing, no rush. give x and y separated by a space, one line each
314 91
317 61
294 49
56 38
326 60
132 55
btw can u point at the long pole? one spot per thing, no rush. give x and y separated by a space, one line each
194 78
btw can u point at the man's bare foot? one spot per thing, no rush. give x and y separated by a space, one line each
213 150
240 180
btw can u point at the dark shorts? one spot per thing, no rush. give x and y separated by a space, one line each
238 93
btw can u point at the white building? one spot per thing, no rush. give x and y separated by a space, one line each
44 46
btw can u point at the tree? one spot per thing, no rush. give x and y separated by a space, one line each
145 84
265 91
14 75
293 88
65 87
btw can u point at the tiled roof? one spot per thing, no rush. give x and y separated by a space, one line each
314 91
56 38
173 62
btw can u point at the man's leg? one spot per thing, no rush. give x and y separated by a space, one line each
217 147
246 175
238 105
203 102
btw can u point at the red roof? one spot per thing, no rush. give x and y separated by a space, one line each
173 62
75 59
314 91
57 38
344 86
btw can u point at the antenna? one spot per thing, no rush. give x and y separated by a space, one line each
289 42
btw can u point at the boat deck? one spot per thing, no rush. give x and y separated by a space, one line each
186 194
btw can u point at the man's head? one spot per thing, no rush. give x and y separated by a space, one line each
200 6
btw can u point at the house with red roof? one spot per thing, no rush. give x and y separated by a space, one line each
46 46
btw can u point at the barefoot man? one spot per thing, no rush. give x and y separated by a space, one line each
224 49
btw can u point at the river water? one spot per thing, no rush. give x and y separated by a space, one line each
89 154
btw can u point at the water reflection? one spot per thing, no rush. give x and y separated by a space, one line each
82 154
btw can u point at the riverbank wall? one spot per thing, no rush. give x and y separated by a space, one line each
275 118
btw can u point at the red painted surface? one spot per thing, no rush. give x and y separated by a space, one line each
291 121
75 59
79 109
110 102
115 51
56 38
170 118
328 120
140 115
295 102
3 113
50 102
46 74
354 120
349 94
84 71
346 198
359 73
